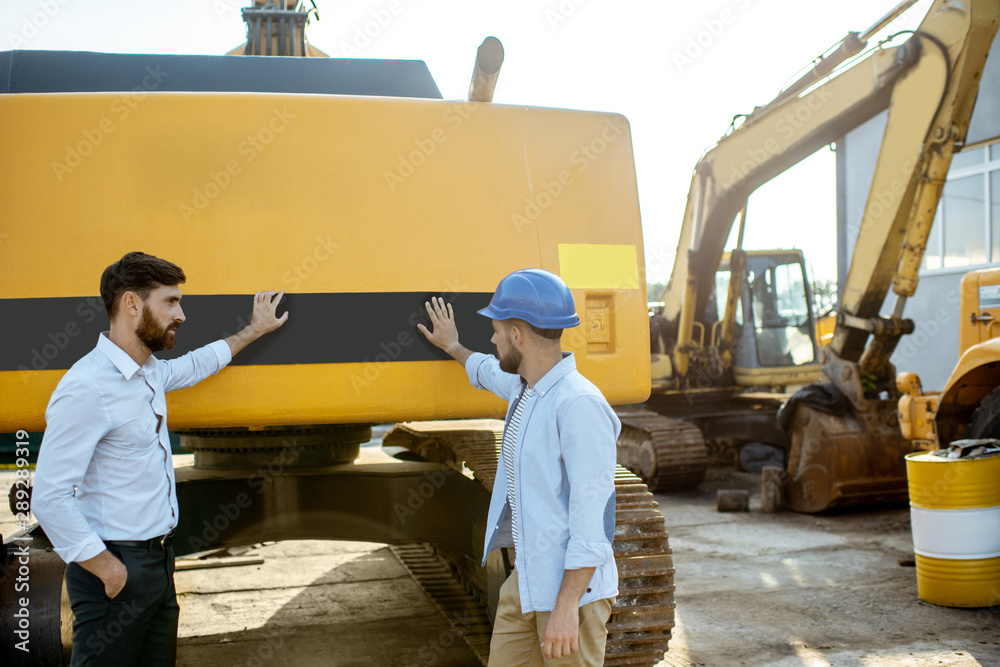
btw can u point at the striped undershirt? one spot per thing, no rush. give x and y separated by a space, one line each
507 451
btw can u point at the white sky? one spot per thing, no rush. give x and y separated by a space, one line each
609 55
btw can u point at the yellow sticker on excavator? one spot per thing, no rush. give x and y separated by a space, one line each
598 266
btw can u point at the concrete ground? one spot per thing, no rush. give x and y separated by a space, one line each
752 589
792 589
310 604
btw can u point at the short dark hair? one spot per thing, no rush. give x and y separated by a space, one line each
137 272
549 334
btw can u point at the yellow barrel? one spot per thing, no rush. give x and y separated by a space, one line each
955 518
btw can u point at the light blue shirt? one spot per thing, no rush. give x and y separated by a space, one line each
564 482
105 470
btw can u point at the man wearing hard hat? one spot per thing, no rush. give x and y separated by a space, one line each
554 496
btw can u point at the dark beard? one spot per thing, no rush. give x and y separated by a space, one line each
152 336
510 362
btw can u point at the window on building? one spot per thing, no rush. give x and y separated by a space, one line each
966 228
995 211
963 211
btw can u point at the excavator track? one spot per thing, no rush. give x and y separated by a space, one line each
642 618
458 600
668 454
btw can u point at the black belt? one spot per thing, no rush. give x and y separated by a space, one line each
163 542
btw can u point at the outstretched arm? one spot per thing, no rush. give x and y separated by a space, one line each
262 321
445 334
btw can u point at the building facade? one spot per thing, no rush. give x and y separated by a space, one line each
965 235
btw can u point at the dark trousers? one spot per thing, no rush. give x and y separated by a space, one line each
136 627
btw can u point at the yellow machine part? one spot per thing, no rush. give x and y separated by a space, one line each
955 515
916 411
825 327
976 375
324 195
777 376
980 303
941 418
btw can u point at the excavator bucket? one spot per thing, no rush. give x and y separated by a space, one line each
844 460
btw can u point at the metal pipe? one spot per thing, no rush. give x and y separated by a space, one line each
887 19
253 48
736 264
489 58
897 310
850 46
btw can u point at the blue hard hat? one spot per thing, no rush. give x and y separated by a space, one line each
536 296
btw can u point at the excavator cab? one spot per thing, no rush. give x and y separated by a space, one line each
774 341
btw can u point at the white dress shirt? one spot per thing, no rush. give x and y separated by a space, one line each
104 467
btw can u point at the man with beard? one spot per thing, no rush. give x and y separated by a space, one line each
104 485
554 495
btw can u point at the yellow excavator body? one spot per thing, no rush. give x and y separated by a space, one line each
356 206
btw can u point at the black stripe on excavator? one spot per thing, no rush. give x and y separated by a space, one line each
138 74
53 333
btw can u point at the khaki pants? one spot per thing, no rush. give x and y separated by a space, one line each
517 637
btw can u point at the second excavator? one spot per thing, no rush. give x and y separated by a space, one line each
729 333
